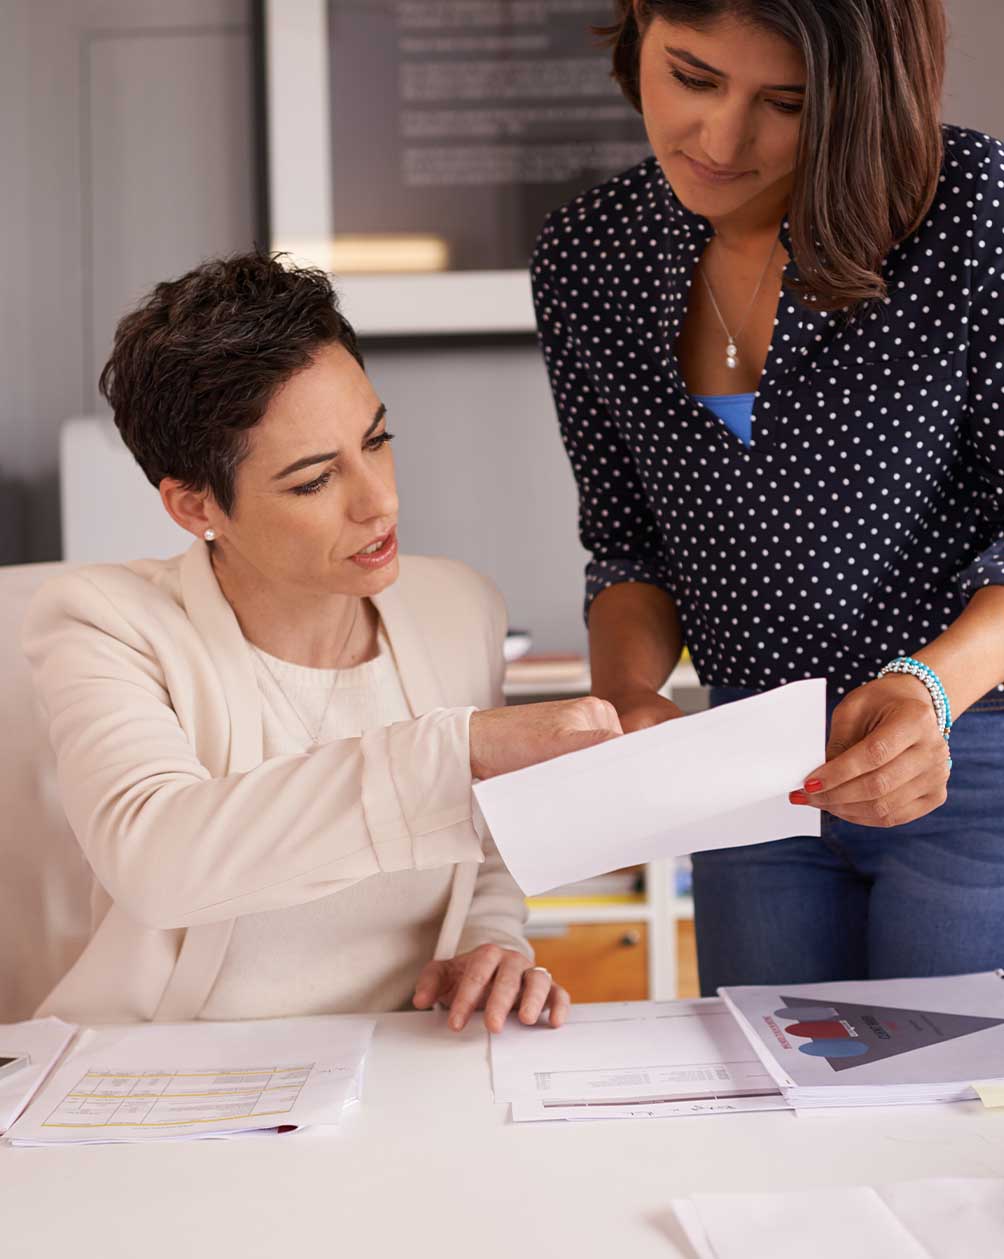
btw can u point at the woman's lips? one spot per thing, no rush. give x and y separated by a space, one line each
384 555
709 176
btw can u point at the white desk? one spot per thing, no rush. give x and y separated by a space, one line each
429 1166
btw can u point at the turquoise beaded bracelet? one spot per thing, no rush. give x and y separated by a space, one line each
926 675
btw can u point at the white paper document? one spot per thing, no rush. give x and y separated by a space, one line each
879 1041
41 1041
920 1219
527 1111
610 1060
177 1081
717 779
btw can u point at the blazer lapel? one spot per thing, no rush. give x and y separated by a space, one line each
422 685
214 619
424 690
204 947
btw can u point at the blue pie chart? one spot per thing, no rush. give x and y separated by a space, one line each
833 1049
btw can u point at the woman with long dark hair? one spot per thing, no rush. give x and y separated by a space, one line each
775 351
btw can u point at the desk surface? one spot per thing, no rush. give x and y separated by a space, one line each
428 1165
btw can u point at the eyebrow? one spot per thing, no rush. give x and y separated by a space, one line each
308 460
698 64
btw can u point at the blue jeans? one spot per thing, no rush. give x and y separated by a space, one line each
865 902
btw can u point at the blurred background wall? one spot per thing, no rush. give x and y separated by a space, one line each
127 153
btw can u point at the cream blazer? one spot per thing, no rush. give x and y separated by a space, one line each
154 714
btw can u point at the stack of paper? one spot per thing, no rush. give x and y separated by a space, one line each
41 1042
718 779
157 1081
631 1059
921 1219
877 1042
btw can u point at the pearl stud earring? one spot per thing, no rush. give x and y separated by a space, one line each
209 534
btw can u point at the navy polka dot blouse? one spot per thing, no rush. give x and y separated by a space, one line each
869 503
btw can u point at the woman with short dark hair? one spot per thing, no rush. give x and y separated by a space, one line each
774 348
266 745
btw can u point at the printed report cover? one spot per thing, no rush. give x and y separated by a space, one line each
876 1033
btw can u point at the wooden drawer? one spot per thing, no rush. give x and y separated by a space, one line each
606 961
609 961
687 982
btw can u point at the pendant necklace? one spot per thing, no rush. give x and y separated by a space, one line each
732 348
313 735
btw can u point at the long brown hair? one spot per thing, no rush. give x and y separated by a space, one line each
870 147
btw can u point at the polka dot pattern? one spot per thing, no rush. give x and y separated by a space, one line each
869 504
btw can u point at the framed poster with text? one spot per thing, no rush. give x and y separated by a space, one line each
415 147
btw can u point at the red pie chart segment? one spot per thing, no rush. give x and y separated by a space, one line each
815 1031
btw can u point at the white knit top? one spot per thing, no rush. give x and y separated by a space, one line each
362 948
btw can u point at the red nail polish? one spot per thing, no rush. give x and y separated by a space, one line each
798 797
814 784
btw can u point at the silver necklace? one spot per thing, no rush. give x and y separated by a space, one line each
313 735
732 349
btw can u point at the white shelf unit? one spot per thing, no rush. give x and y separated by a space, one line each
683 678
661 908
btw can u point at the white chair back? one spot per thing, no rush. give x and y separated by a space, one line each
45 883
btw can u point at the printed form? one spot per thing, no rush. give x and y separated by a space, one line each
631 1059
177 1081
158 1099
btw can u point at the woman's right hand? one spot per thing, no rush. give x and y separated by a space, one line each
640 709
506 739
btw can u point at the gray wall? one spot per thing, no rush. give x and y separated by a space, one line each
125 149
127 153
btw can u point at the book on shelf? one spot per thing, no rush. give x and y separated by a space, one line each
621 886
625 886
541 668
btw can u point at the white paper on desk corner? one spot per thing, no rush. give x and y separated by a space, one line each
717 779
943 1218
41 1041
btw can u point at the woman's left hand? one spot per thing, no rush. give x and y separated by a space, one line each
886 759
495 978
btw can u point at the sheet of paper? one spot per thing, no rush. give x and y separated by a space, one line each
717 779
954 1217
525 1110
169 1081
41 1041
628 1052
822 1223
921 1219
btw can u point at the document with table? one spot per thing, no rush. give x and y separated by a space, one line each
632 1059
163 1081
717 779
866 1043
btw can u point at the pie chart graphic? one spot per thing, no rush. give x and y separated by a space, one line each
848 1035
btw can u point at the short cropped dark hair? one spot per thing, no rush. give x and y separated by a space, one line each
195 365
870 148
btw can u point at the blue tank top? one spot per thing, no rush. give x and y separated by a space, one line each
735 410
